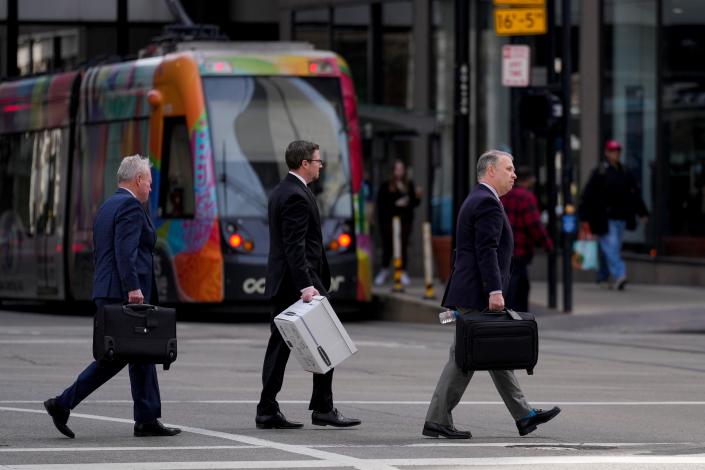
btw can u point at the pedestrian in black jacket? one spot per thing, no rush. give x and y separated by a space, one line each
609 205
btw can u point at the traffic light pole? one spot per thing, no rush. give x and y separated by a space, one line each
461 121
569 220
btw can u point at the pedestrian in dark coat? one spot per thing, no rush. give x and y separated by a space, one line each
609 205
123 241
297 268
484 245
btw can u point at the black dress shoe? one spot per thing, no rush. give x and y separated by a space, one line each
60 416
276 421
333 418
449 432
155 428
528 424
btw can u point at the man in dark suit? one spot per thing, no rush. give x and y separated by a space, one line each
123 240
297 268
484 246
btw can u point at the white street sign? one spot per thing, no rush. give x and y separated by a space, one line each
516 65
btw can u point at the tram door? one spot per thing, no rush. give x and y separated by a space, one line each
47 210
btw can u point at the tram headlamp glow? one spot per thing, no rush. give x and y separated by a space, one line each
344 239
235 240
341 243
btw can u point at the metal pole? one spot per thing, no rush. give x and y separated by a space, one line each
122 25
567 166
13 32
396 248
551 163
461 121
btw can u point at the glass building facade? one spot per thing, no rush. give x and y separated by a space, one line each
637 76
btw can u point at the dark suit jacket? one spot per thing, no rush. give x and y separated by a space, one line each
297 258
123 240
483 256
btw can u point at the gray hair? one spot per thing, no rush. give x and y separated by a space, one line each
131 166
488 159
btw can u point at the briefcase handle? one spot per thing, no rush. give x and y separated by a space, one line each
139 307
507 311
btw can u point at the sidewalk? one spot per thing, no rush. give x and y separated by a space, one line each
588 300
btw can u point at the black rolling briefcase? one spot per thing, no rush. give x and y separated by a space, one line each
505 340
135 333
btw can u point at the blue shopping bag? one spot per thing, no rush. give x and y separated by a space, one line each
585 254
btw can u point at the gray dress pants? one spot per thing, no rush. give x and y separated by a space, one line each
453 382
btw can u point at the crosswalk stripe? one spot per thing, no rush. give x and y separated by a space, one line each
390 402
423 462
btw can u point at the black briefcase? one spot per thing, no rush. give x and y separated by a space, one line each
135 333
505 340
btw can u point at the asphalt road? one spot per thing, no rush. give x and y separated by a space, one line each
630 399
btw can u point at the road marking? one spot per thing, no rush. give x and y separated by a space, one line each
435 462
234 341
45 341
385 402
549 460
182 465
131 449
440 443
329 458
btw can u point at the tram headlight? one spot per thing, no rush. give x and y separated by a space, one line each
341 243
237 240
345 240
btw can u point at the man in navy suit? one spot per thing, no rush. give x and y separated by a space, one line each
484 246
123 240
297 268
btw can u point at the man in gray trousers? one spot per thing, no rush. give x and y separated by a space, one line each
484 246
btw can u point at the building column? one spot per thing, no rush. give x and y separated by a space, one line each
590 87
420 151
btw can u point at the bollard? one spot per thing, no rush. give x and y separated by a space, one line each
396 240
427 262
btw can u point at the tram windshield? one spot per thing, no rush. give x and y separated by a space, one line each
253 119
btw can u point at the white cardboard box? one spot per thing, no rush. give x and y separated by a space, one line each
315 335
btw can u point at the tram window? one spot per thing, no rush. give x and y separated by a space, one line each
176 194
15 176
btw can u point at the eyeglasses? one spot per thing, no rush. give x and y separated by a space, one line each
320 162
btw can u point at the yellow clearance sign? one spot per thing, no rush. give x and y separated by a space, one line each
520 21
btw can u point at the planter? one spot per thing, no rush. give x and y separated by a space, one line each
442 246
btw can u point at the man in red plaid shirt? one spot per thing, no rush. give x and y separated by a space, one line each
522 209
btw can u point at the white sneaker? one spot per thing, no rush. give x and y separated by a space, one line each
381 277
405 278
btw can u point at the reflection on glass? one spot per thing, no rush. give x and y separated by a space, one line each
629 93
683 117
253 119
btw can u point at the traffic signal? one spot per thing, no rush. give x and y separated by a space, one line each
540 111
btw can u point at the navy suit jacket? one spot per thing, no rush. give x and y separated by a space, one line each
123 241
483 254
297 258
